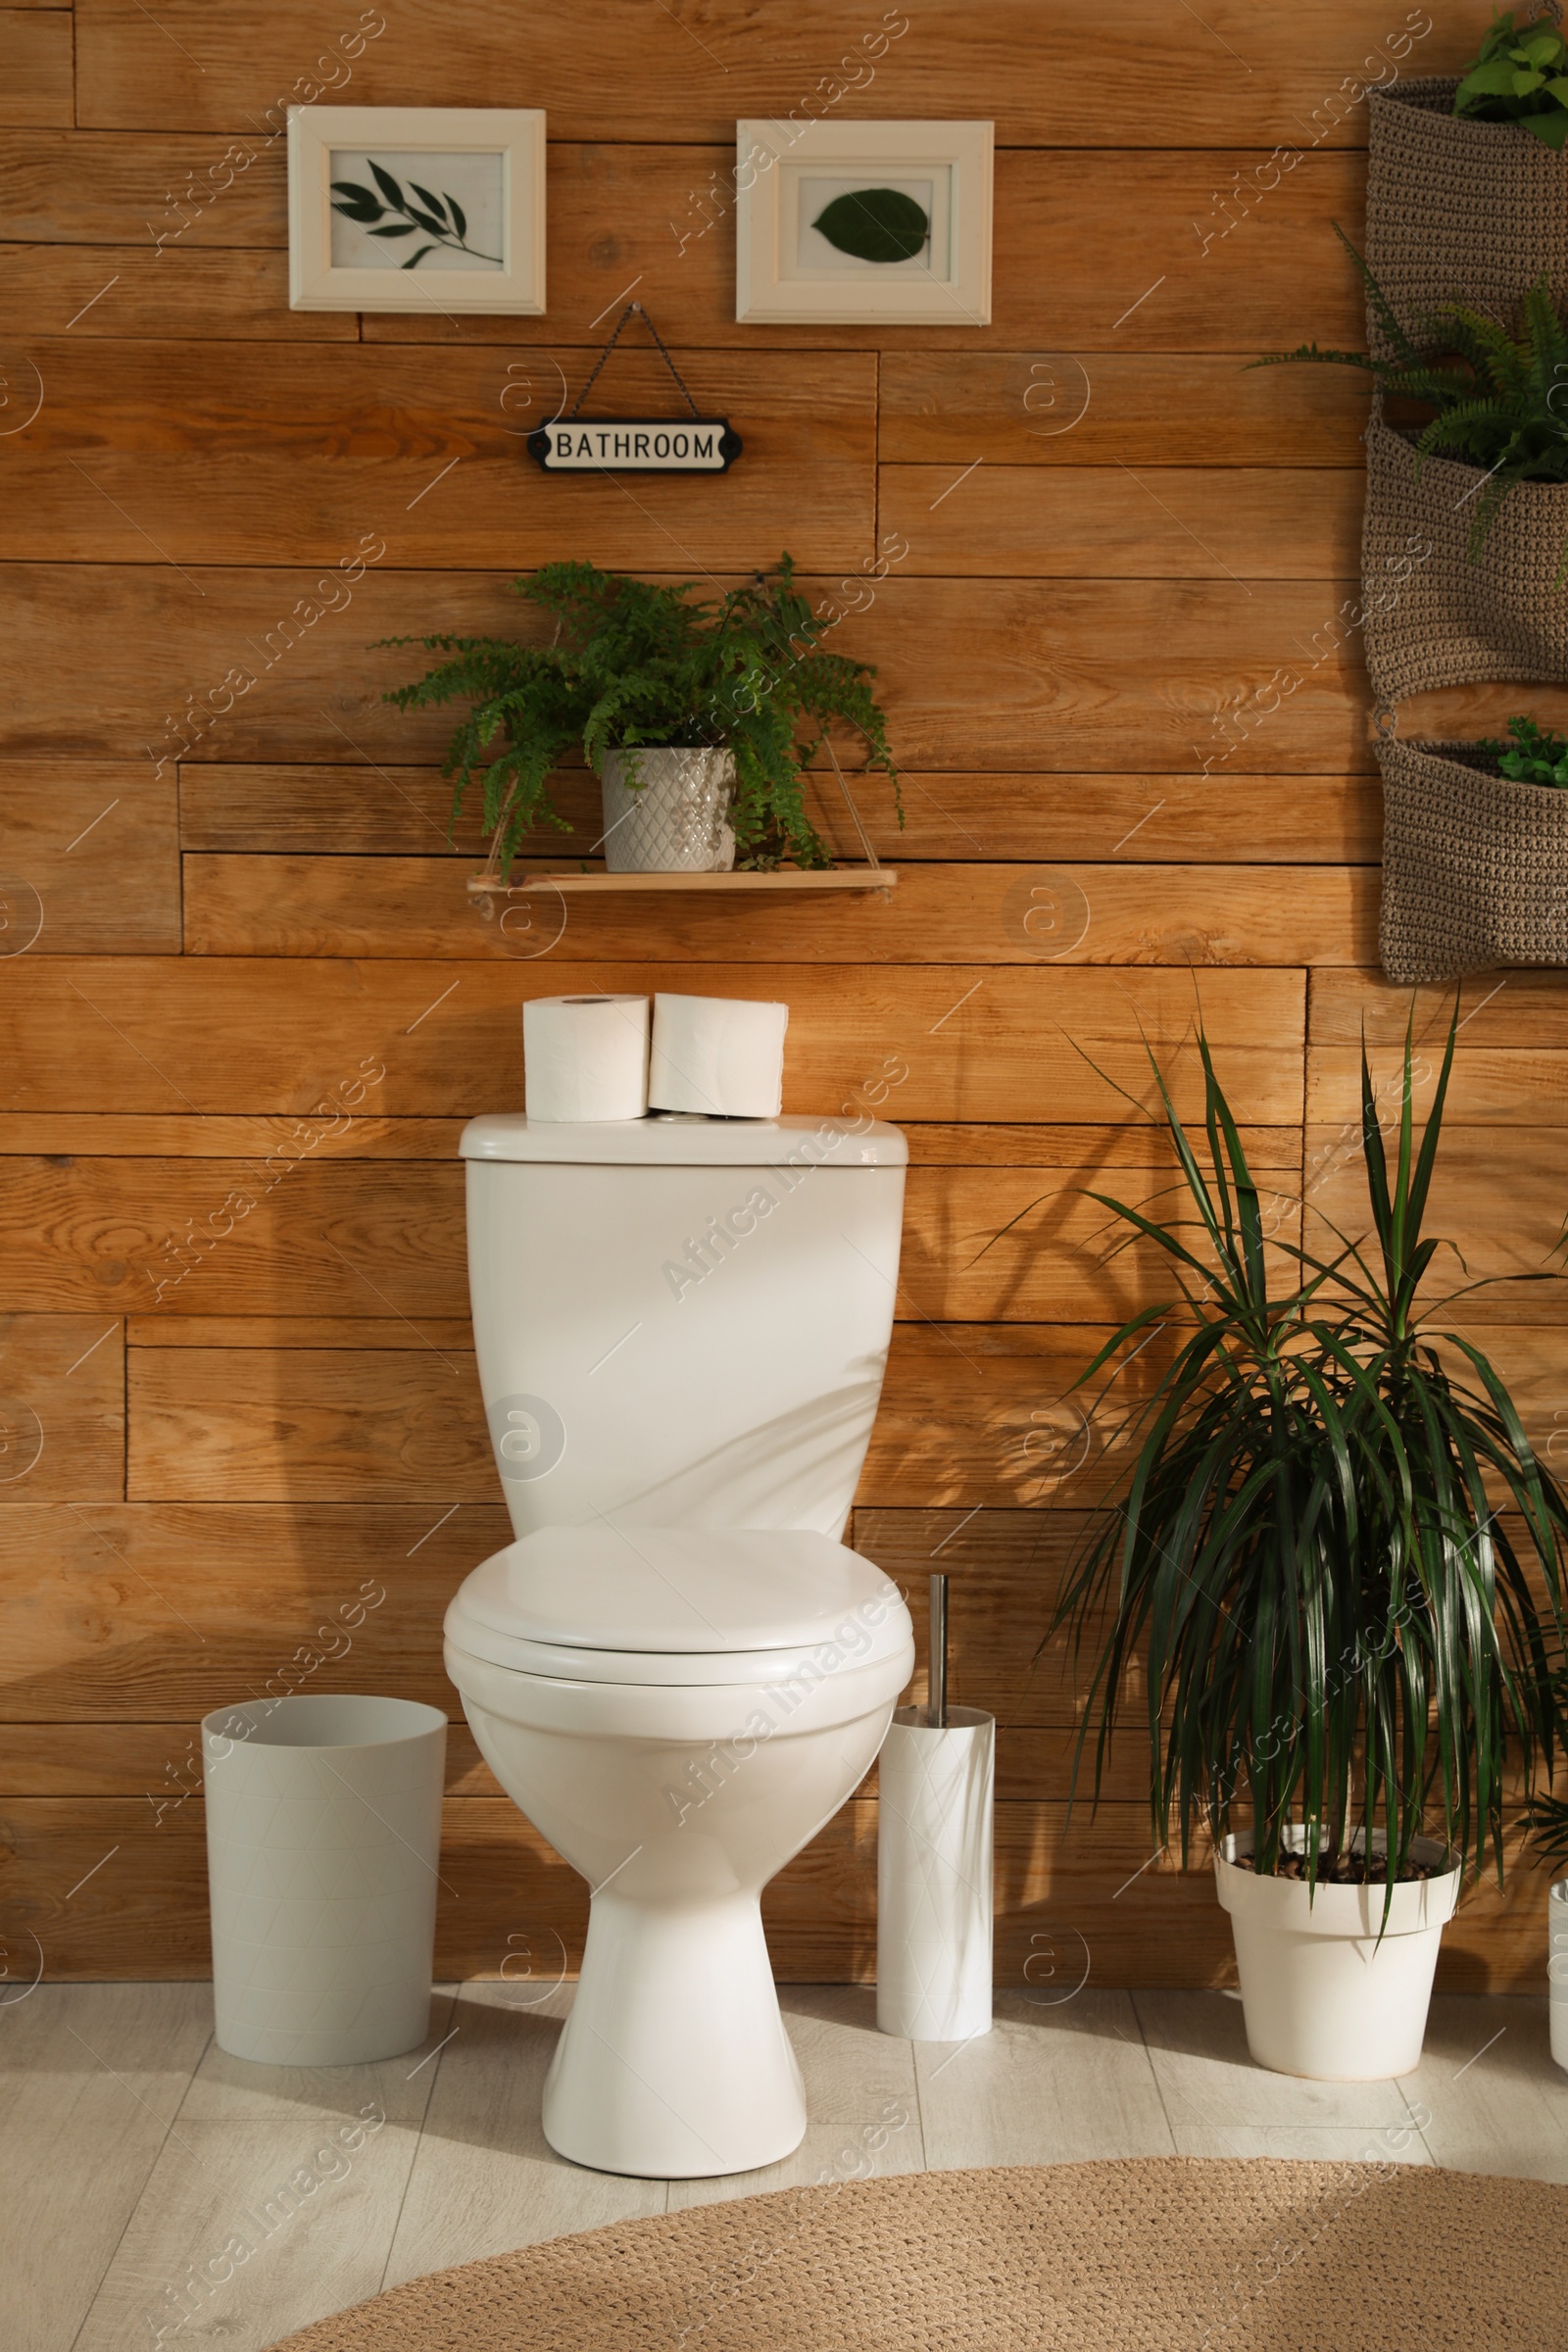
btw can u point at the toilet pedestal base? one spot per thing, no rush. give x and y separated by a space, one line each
674 2063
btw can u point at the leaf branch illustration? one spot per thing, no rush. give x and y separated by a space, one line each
440 219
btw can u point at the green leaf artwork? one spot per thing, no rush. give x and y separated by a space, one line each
875 224
440 217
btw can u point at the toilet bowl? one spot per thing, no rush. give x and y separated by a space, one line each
678 1781
677 1671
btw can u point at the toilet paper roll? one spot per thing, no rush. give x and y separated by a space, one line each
585 1058
719 1055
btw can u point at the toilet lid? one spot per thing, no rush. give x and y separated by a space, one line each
677 1605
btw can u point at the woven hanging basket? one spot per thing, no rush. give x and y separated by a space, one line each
1435 615
1475 867
1456 210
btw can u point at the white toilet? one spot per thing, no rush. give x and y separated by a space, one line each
677 1671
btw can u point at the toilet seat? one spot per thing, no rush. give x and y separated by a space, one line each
676 1607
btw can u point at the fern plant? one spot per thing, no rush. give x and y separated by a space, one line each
1532 757
1520 77
1500 401
1337 1549
632 665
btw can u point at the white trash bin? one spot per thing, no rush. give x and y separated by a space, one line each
324 1836
933 1876
1557 1969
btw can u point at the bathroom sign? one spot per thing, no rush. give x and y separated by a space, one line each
636 445
689 444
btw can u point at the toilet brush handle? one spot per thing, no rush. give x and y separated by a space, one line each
937 1685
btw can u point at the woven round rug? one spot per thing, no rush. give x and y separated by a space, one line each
1144 2256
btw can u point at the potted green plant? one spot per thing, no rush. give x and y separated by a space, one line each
1465 543
1465 177
1339 1560
1475 854
698 717
1520 75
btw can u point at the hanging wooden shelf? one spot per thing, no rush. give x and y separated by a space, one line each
877 878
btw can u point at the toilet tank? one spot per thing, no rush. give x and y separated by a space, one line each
682 1321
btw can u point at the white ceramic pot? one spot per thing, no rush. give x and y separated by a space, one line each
674 819
1557 1969
1328 1991
324 1832
933 1876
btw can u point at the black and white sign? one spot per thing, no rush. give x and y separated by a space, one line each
636 445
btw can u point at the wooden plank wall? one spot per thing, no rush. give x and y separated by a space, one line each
246 1006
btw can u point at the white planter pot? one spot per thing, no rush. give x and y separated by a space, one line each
1557 1969
674 821
1328 1991
933 1876
324 1832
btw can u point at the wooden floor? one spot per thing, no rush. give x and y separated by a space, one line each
133 2152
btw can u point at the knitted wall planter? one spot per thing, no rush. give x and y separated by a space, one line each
1475 867
1437 616
1459 209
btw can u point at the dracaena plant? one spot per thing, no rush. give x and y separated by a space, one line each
1500 401
1336 1551
633 664
1519 77
1534 757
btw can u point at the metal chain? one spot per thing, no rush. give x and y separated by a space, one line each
632 308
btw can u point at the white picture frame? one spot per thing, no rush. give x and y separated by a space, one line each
491 157
787 274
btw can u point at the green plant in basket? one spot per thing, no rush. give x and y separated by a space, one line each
1332 1579
1532 757
633 665
1499 401
1519 77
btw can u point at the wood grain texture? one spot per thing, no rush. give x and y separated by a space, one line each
1115 674
1132 519
171 1244
90 849
36 66
819 1912
602 76
1116 644
119 292
225 456
1162 292
1502 1221
934 1143
355 808
62 1407
1066 913
970 1414
264 1035
118 1612
1059 408
1512 1057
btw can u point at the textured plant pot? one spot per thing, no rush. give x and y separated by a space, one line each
1557 1969
1458 210
1434 615
1475 866
933 1876
323 1831
676 818
1329 1991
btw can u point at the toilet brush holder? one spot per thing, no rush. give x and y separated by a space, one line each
936 1781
